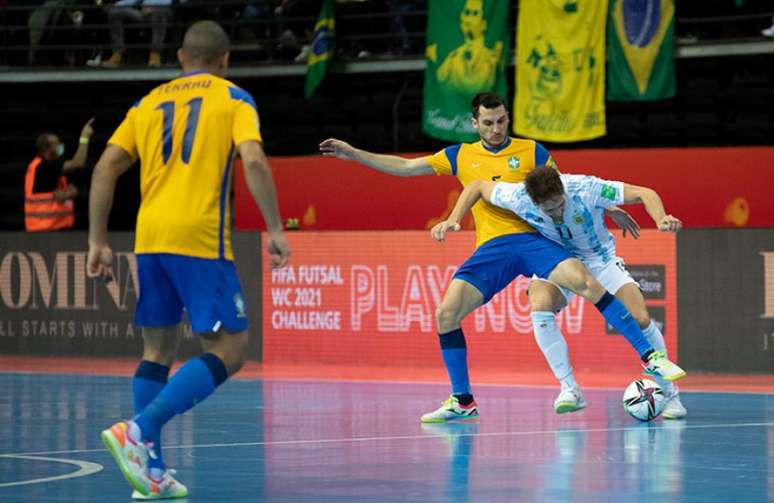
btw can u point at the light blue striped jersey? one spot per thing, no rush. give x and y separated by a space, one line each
582 231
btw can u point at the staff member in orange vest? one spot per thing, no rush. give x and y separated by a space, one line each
48 198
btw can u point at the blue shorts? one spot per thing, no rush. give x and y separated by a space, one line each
207 288
498 262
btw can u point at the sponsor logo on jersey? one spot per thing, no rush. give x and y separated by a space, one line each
609 192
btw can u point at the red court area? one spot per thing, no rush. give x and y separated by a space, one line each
695 381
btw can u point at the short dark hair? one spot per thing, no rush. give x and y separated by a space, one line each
205 42
487 100
543 183
43 141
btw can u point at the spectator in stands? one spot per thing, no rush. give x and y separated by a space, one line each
154 12
296 19
48 197
256 15
53 20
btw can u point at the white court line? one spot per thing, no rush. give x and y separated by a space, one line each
412 437
84 468
332 380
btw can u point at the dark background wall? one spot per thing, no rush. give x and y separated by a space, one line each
724 324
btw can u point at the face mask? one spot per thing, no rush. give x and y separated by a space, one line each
60 150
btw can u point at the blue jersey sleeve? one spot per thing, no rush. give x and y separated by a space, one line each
541 155
451 154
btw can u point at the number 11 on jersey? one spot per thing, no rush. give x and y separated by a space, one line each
168 110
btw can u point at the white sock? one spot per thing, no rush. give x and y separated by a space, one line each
551 342
656 339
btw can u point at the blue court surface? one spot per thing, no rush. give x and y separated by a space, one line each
273 440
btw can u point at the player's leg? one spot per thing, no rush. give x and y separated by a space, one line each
545 300
212 296
574 276
196 380
159 311
459 300
160 345
491 268
632 298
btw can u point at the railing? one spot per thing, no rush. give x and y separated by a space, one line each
77 32
390 33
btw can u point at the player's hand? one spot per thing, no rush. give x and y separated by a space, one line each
337 148
670 224
99 263
624 221
87 130
279 251
438 232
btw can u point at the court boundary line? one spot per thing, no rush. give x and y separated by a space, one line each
85 468
429 383
637 427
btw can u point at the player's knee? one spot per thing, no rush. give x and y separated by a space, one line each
236 363
448 319
641 317
237 355
545 297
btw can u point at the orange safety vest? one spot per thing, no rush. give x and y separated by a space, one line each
41 211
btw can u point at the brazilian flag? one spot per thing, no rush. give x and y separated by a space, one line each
640 50
322 48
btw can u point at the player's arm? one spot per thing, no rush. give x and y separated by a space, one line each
623 220
477 189
112 164
261 186
79 159
390 164
649 198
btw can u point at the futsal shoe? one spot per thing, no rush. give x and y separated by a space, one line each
130 454
164 488
658 365
674 408
569 400
451 410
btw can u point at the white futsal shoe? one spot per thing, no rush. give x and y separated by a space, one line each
569 400
451 410
674 408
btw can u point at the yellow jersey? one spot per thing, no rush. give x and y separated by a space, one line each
510 162
185 133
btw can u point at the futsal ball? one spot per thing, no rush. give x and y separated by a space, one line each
643 400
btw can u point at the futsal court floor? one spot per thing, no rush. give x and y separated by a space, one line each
277 437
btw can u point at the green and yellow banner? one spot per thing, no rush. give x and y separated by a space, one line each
560 70
467 47
322 48
640 50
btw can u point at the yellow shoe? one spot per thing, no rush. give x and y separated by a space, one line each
114 61
154 60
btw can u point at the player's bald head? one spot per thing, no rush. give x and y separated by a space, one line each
205 42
